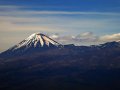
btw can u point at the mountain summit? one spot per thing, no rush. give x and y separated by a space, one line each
34 43
37 40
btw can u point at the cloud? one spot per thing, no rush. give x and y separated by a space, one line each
112 37
20 10
8 26
54 36
67 13
14 10
31 13
72 13
46 24
26 24
87 38
20 19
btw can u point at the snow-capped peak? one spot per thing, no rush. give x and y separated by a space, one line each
37 40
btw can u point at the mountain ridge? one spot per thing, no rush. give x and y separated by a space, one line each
39 43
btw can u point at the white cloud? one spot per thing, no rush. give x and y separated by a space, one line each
18 19
112 37
68 13
46 24
81 38
54 36
8 27
19 10
26 24
87 38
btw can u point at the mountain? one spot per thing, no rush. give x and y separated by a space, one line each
40 63
36 40
111 44
34 43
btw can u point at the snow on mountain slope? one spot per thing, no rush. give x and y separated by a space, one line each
36 40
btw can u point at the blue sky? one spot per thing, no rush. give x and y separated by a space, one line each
71 5
83 22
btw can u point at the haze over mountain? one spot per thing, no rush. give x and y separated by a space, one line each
40 63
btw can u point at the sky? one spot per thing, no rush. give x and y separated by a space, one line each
82 22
